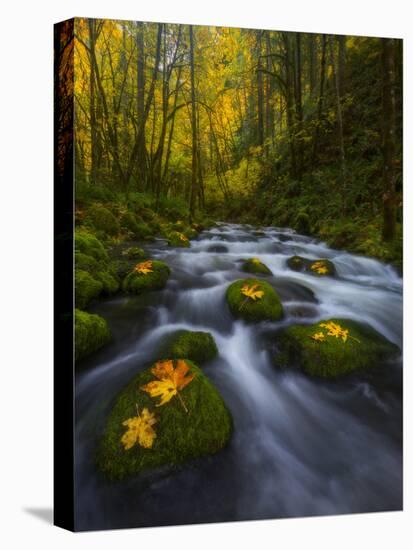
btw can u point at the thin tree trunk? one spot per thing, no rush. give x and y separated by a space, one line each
320 97
194 175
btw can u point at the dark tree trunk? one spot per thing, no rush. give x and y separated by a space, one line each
194 175
260 93
141 152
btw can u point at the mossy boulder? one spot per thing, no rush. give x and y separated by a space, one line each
180 436
103 220
134 253
199 347
319 268
87 243
302 223
136 226
254 265
177 239
266 308
329 356
137 283
86 288
91 333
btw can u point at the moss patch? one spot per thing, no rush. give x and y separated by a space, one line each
86 288
332 356
199 347
88 244
178 239
138 282
318 268
91 333
268 308
134 253
103 220
254 265
180 437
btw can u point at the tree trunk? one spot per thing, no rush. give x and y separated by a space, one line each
141 152
298 103
260 93
194 175
389 126
320 97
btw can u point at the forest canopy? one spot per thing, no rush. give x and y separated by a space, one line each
266 127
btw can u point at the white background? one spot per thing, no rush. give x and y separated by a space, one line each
26 272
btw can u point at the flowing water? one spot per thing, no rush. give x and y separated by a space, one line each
300 446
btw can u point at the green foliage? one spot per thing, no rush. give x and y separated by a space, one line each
91 333
87 243
205 430
332 357
136 283
268 308
199 347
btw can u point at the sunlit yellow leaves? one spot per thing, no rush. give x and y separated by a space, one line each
251 291
335 330
170 381
256 261
140 430
144 268
319 267
183 238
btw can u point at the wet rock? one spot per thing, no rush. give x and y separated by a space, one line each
218 248
265 308
332 348
254 265
199 347
180 436
137 282
319 268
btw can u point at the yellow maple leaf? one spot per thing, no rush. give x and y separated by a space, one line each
318 336
334 329
182 237
170 381
252 292
320 268
140 430
256 261
144 267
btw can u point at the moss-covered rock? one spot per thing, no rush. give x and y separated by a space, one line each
254 265
85 262
319 268
135 226
103 220
110 284
91 333
266 308
178 239
87 243
86 288
302 223
181 436
318 353
134 253
199 347
137 283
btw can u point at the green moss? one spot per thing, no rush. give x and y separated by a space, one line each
178 239
181 436
110 285
88 244
91 333
254 265
134 253
103 220
86 288
302 223
331 357
268 308
85 262
196 346
319 268
138 282
135 226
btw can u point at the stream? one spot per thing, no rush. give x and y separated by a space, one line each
301 446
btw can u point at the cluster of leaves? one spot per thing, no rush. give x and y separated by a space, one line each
319 267
334 330
170 382
143 268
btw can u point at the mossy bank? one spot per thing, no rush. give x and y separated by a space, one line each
181 436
